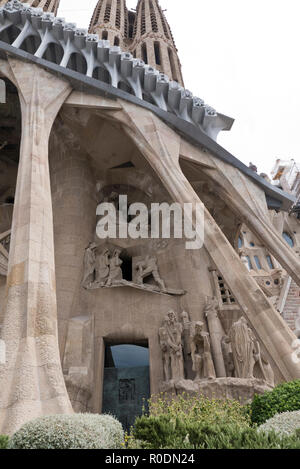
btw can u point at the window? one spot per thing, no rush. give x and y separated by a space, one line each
157 53
288 239
116 41
240 242
249 262
257 262
270 262
104 35
144 53
172 65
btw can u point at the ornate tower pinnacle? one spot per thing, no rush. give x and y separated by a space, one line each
50 6
153 41
110 21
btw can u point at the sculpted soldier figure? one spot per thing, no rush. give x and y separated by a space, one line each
201 353
165 348
115 271
89 264
228 356
102 267
171 343
147 267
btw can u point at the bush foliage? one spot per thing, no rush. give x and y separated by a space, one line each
77 431
3 441
198 409
284 398
186 422
283 424
165 433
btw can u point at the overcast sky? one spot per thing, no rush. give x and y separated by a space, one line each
242 58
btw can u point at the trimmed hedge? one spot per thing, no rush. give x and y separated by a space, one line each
164 433
77 431
3 441
284 398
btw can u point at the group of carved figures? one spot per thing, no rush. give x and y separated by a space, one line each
190 352
105 269
101 269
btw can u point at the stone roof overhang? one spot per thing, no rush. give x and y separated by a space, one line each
195 134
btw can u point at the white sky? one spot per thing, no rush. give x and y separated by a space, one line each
242 58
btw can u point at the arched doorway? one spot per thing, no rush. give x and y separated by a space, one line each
126 384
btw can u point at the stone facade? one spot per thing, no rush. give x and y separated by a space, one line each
198 321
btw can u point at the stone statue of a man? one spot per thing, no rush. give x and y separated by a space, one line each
171 344
201 352
243 350
147 267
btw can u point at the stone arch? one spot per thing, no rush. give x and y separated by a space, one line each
54 53
102 74
77 63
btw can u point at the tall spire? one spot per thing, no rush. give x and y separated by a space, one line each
153 41
110 21
50 6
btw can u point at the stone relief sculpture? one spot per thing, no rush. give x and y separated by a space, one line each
115 271
170 335
163 340
262 368
242 344
201 352
103 269
243 354
228 356
188 365
146 268
89 265
216 333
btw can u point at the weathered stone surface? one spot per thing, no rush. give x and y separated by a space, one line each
220 388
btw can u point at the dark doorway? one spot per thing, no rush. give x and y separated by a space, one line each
126 387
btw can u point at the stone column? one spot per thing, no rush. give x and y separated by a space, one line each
216 333
31 380
256 219
160 145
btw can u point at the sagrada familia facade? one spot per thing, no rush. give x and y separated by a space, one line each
97 325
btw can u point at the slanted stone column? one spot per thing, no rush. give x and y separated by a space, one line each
161 147
232 188
31 380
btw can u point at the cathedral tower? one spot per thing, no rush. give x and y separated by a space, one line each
110 21
50 6
153 41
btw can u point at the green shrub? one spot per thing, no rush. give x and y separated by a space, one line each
284 398
198 409
165 433
3 441
283 424
77 431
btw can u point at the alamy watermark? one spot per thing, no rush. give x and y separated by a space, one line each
164 221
